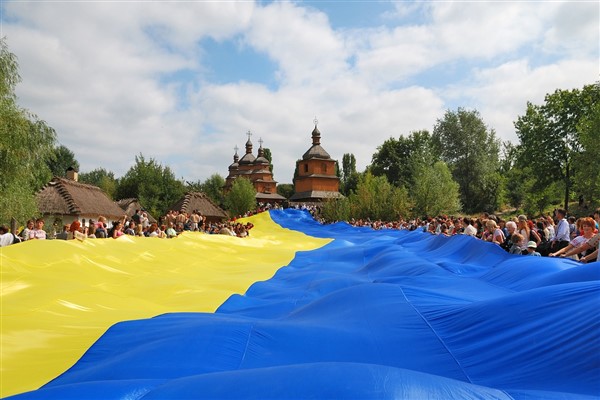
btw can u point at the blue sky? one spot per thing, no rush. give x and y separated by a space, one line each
182 82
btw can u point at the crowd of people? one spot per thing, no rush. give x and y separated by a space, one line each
552 236
168 226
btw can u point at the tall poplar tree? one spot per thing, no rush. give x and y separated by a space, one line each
471 151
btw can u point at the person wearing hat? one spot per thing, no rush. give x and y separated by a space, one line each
531 247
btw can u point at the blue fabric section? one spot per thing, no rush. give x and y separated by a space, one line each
374 314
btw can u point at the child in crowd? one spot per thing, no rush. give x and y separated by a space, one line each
517 240
531 249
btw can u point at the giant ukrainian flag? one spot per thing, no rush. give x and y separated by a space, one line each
297 310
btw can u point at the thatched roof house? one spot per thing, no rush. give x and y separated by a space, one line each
69 200
130 206
201 202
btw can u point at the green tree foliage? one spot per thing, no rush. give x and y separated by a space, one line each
400 159
348 169
348 165
26 143
471 151
435 192
537 201
241 198
351 184
334 210
61 160
286 190
102 178
550 135
268 156
152 184
213 188
390 161
587 175
374 198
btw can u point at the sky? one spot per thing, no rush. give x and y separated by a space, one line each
183 81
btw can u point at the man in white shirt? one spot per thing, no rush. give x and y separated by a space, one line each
562 236
469 228
7 238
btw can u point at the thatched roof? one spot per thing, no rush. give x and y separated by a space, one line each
129 206
201 202
63 196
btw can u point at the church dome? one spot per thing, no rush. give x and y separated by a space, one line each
248 158
316 151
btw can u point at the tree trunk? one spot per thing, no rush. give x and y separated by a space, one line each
13 226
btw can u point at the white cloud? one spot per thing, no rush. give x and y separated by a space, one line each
98 72
573 30
501 93
300 40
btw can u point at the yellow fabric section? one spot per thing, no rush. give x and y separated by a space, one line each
58 297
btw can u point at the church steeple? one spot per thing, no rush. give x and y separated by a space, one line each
249 143
316 135
248 158
260 159
316 151
234 166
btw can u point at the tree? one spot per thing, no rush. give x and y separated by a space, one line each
241 198
348 168
269 156
549 135
102 178
62 159
334 210
26 143
351 184
152 184
376 198
588 178
471 151
390 160
399 159
285 189
435 192
213 188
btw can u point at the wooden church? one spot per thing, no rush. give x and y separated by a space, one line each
257 170
316 179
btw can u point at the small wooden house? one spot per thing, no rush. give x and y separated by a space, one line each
64 200
130 206
203 204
